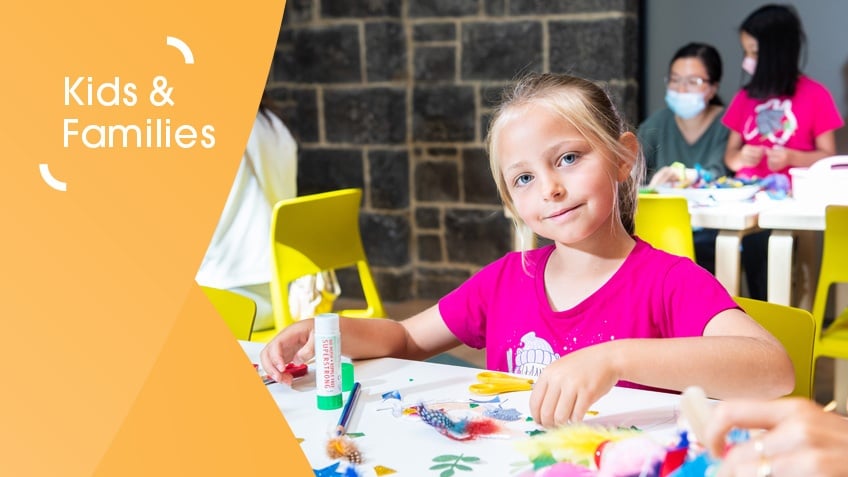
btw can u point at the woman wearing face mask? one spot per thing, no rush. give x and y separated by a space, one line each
780 119
689 130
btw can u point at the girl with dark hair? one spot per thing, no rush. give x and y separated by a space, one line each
780 119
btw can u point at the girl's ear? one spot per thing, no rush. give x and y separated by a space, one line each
631 144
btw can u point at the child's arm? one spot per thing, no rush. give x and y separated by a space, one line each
418 337
739 155
735 358
783 157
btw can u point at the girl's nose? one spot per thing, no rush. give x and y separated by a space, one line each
554 189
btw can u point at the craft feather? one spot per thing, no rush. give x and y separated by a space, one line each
574 443
462 429
342 447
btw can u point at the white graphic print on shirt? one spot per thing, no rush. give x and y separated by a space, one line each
531 356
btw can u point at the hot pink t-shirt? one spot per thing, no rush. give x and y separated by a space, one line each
782 121
506 310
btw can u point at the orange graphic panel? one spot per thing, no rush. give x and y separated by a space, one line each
122 130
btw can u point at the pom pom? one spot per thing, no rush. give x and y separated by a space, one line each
633 456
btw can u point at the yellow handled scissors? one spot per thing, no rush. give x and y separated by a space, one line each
493 382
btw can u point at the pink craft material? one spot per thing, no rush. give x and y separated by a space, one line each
631 456
561 469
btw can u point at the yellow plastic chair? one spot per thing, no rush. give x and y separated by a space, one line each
237 310
795 329
311 234
832 341
664 222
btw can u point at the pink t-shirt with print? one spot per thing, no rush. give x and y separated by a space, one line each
782 121
506 310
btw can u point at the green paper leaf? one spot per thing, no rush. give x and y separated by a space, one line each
446 458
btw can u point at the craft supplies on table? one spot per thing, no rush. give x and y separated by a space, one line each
391 438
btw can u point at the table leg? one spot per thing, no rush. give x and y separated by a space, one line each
780 266
808 256
727 259
840 384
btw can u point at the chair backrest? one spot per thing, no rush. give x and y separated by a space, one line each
314 233
834 265
664 222
795 329
237 310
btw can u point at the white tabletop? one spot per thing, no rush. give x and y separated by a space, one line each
791 214
728 215
408 446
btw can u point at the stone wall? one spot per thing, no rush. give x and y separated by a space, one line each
394 96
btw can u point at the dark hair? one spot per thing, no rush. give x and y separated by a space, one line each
709 57
780 38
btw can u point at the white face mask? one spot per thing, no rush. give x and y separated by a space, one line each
686 105
749 65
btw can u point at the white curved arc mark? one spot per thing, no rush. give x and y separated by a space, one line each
50 180
188 56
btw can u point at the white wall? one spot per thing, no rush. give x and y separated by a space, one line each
669 24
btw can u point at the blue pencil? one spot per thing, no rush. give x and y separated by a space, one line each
347 410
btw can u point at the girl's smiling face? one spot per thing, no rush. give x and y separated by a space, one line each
562 186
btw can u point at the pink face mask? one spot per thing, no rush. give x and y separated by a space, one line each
749 65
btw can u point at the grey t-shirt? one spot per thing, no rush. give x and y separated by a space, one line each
663 144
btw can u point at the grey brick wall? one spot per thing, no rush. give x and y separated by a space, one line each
394 96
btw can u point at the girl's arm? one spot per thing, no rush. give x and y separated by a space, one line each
738 155
418 337
780 158
735 358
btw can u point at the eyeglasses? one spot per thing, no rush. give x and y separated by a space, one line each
688 82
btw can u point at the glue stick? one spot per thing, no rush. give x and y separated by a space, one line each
328 361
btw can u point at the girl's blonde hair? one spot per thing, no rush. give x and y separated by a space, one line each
590 111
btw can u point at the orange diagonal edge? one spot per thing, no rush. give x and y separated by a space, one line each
110 350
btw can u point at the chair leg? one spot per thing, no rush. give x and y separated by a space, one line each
840 384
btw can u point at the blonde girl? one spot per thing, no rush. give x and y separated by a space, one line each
598 307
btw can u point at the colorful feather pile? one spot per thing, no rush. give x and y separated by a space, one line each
462 429
587 451
576 444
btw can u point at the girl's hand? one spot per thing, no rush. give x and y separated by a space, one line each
293 344
751 155
569 386
799 438
778 158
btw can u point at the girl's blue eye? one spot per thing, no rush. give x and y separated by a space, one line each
523 179
568 158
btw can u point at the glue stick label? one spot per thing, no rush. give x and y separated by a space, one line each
328 361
